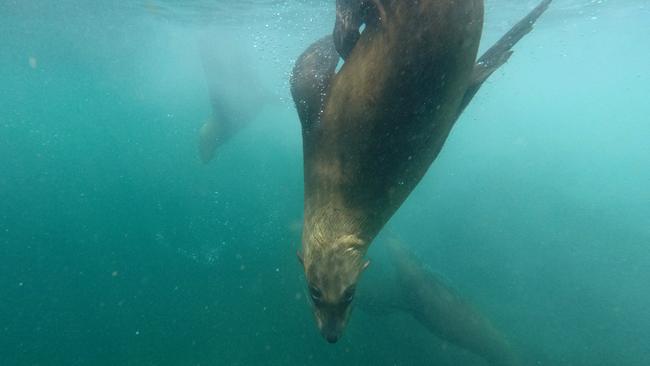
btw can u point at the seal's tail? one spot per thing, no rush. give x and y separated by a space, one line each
501 51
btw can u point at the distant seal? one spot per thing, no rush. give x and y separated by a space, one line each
371 131
417 291
235 91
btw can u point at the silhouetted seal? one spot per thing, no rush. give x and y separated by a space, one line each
419 292
371 131
235 91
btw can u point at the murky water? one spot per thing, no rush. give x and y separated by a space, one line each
119 247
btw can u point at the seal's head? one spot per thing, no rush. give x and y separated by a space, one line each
332 273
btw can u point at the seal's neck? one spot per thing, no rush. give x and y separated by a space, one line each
334 227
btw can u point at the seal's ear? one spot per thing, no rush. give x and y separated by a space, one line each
365 265
300 259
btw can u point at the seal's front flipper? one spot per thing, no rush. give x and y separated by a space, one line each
311 77
498 54
350 15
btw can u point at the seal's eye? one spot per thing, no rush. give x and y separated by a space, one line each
348 295
315 294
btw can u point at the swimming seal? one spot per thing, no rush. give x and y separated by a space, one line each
236 93
417 291
371 131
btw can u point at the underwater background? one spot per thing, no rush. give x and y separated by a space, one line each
118 246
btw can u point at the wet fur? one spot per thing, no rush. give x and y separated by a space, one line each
385 117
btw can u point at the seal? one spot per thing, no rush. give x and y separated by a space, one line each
235 92
371 130
420 293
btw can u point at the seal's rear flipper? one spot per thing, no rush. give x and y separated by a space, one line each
498 54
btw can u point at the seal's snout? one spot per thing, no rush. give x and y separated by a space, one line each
331 326
332 338
332 333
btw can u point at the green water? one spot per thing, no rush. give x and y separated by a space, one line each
119 247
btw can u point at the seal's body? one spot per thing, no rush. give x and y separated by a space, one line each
403 284
371 130
437 307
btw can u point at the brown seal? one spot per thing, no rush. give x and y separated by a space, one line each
371 131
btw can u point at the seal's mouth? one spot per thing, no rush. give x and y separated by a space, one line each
331 329
332 321
332 338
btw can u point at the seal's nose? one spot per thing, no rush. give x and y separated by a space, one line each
332 338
